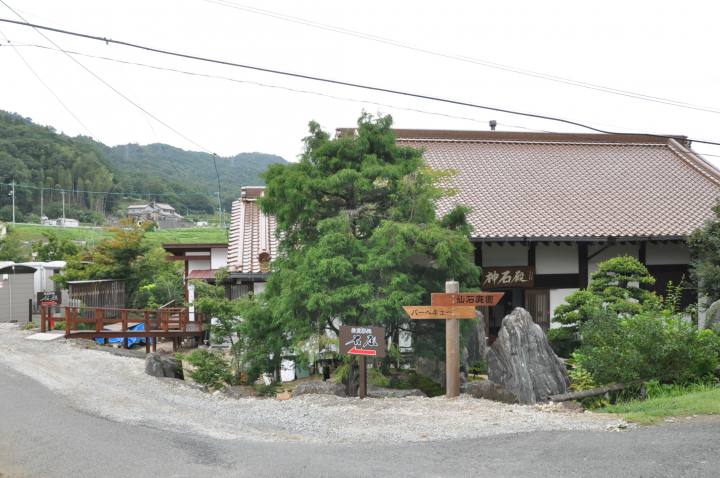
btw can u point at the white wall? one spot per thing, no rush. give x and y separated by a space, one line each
258 287
615 250
661 254
218 257
557 297
504 255
202 264
556 259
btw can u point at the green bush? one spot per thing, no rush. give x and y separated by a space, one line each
645 347
210 368
375 377
478 368
563 340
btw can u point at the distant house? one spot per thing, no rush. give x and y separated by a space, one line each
62 222
201 261
164 215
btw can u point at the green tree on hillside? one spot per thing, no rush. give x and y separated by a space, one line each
55 248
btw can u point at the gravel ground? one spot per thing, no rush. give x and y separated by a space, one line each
116 388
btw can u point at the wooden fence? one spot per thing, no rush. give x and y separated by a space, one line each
167 323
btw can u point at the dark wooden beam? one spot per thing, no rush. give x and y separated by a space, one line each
583 264
478 254
642 252
531 254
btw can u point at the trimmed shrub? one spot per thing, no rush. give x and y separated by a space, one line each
210 368
645 347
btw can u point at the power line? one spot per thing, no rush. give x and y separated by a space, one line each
47 87
100 79
466 59
334 82
267 85
110 193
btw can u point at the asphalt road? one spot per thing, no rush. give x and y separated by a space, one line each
42 435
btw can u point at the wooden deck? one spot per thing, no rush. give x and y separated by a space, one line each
164 323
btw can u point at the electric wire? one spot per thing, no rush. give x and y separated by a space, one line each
462 58
104 82
269 85
47 87
333 81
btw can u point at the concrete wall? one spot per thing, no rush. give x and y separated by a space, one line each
15 290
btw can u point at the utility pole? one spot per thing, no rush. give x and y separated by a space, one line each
42 194
12 193
63 207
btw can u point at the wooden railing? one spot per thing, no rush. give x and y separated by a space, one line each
170 323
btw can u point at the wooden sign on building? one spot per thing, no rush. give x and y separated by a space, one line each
508 277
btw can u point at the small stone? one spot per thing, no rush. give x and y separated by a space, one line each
284 395
320 388
489 390
381 392
163 365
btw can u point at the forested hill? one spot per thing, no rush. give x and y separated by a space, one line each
162 165
40 159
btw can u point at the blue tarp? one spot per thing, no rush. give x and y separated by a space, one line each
118 340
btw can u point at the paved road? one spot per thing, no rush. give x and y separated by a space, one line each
42 435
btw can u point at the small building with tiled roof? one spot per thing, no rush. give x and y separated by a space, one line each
547 208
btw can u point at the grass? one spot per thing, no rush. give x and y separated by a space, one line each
668 402
92 235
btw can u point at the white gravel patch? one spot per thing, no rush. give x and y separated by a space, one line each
116 388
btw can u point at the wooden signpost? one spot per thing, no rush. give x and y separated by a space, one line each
451 306
363 341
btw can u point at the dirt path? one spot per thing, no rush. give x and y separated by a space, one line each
116 388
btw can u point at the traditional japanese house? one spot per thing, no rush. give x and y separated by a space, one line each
253 244
547 208
201 260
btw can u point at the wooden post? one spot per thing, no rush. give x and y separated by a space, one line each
50 321
362 392
123 317
98 320
68 322
146 323
43 315
452 348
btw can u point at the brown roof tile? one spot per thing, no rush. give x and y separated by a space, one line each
252 243
538 185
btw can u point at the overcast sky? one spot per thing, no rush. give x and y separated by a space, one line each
657 48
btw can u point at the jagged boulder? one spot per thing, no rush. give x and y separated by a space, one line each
522 361
163 365
321 388
489 390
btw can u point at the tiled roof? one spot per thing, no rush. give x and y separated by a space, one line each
538 185
203 274
252 242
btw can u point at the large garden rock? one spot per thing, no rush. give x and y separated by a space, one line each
522 361
489 390
374 391
321 388
163 365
